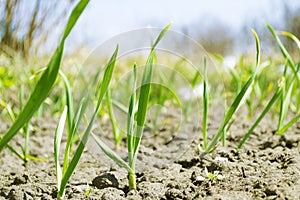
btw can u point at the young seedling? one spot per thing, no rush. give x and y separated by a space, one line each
46 81
11 114
63 175
118 134
25 156
264 112
205 107
136 118
239 99
289 87
283 93
214 176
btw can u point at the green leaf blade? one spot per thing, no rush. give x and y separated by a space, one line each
46 81
104 87
57 141
238 99
111 154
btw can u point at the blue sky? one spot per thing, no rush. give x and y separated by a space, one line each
103 19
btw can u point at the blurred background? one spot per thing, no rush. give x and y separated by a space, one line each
222 27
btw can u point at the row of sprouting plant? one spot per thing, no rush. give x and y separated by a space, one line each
285 93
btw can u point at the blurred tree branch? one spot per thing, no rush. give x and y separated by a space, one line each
26 25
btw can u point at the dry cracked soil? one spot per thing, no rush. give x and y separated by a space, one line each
168 167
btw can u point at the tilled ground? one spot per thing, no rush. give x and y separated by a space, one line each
169 167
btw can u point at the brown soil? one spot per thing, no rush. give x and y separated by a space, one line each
169 167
